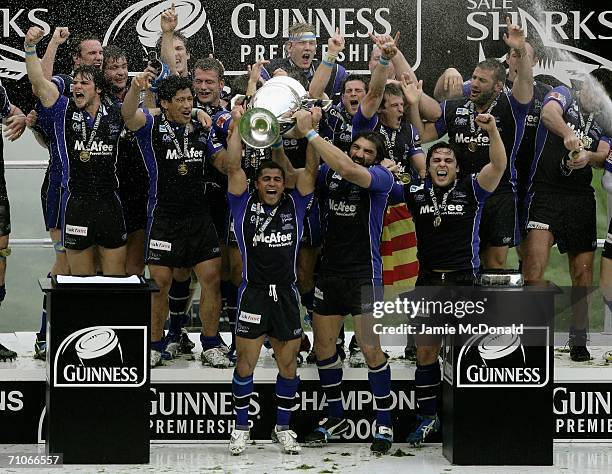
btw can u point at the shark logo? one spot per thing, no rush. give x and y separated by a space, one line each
570 66
191 14
12 63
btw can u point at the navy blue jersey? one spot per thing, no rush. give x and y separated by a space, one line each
251 157
546 172
454 244
269 252
336 126
176 184
352 219
63 82
333 89
458 119
84 174
402 144
5 111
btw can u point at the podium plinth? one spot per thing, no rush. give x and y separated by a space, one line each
98 371
497 389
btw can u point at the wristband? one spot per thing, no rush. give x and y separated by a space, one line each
329 59
310 136
30 53
327 63
28 46
384 61
277 145
194 113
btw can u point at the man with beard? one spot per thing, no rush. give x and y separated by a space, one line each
133 178
561 202
354 190
180 231
499 229
301 48
447 212
86 133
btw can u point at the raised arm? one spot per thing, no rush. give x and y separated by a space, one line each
332 155
492 172
371 102
60 35
133 117
413 92
168 23
237 181
319 81
522 88
44 89
449 85
552 118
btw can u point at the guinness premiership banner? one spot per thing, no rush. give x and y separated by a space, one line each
202 412
575 36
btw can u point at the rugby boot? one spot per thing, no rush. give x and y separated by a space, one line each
238 441
156 358
6 354
328 428
287 439
383 440
577 346
426 425
215 357
40 347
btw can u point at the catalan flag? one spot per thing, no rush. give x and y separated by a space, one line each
398 248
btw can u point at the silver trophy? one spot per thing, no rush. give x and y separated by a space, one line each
270 111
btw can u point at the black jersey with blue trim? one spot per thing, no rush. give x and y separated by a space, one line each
546 174
176 184
402 143
352 220
454 244
269 252
5 111
91 174
456 119
336 127
251 157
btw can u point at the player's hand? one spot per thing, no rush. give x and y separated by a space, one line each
15 125
390 165
31 119
255 70
335 43
515 36
303 123
413 92
143 80
60 35
452 80
486 122
387 44
169 20
316 114
34 35
579 160
204 119
571 142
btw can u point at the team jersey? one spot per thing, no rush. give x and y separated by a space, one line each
63 82
336 127
5 111
547 173
88 169
176 184
215 180
333 89
608 162
454 243
352 221
268 237
458 119
251 157
402 143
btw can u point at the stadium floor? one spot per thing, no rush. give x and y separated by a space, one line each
338 458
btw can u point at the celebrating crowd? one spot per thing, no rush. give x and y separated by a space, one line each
153 171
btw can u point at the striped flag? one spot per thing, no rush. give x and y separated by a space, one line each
398 248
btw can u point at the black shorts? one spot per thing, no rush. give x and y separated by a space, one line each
499 222
607 250
5 216
219 210
134 203
181 240
334 295
51 200
312 226
260 312
92 220
570 218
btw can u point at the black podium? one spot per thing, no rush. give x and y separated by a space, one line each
98 371
498 390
